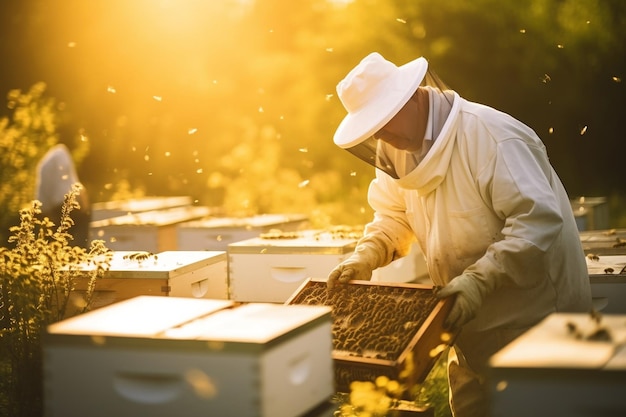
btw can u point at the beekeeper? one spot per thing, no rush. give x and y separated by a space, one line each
475 188
56 174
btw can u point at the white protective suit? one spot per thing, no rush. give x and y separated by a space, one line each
485 200
479 195
56 174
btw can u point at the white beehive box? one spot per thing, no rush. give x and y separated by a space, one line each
193 274
271 270
217 233
152 231
168 356
608 282
564 366
108 209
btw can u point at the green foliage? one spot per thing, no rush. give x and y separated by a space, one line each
25 136
24 139
40 278
226 72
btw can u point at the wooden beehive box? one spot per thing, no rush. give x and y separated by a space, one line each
193 274
170 356
270 269
381 329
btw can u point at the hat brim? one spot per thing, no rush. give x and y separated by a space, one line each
358 126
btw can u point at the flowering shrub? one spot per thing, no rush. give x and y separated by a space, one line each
38 276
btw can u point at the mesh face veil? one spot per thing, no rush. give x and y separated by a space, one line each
399 162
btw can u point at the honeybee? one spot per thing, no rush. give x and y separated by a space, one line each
140 256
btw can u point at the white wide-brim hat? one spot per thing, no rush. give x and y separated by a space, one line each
372 93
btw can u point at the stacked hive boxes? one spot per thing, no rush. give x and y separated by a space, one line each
168 356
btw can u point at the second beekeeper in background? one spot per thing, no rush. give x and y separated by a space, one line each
56 174
475 188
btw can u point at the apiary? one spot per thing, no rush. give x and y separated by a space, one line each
108 209
193 274
607 275
381 329
604 242
170 356
216 233
271 267
153 231
567 365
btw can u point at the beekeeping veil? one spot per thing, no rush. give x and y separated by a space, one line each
372 93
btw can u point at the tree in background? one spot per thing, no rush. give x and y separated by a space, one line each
25 137
177 87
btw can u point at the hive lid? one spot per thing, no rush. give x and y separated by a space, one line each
156 322
304 242
143 316
143 204
252 222
168 264
566 340
161 217
256 323
163 265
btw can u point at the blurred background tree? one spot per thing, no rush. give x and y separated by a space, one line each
25 136
233 101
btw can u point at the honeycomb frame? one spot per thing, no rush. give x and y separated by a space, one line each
404 347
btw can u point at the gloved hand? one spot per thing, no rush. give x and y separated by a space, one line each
470 292
358 266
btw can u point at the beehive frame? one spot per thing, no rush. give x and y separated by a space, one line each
405 345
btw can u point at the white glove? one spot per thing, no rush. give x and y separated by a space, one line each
358 266
470 292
